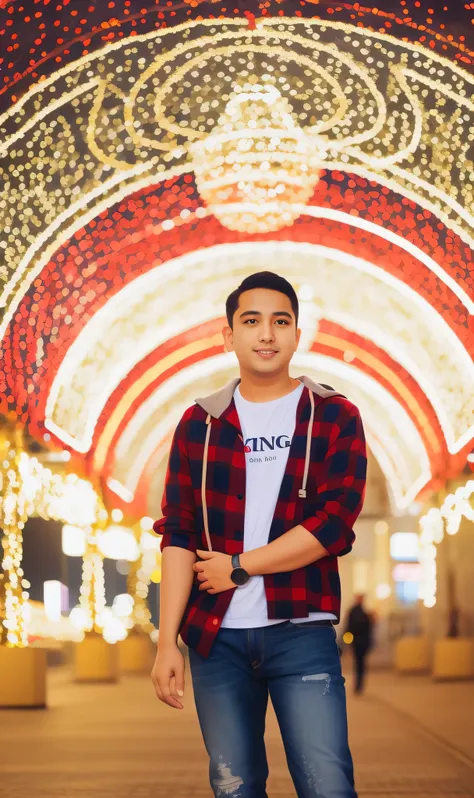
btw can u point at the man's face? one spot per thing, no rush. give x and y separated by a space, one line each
264 335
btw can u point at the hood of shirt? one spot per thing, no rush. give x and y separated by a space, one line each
217 402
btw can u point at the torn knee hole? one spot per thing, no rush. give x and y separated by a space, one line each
319 677
227 783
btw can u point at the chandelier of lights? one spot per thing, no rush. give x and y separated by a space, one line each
257 165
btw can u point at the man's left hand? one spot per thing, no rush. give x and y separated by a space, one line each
214 572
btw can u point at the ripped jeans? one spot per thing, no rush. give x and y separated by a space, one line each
299 666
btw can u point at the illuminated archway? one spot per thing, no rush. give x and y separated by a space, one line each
347 290
365 126
392 435
108 211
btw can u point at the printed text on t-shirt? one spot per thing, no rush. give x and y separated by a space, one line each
262 444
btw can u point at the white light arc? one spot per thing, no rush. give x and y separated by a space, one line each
191 290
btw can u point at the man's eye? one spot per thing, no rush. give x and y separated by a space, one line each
280 322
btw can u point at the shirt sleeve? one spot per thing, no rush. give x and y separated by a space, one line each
177 525
341 482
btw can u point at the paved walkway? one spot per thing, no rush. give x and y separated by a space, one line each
410 739
445 709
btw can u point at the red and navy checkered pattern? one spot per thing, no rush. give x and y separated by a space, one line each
335 492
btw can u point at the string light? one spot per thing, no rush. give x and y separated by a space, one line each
433 525
92 591
138 581
27 488
13 517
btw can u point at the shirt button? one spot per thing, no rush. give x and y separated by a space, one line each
215 622
240 496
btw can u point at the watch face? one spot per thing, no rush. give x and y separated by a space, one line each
239 576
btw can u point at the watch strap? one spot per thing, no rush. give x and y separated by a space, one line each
235 561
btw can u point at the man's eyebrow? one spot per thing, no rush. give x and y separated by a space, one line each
257 313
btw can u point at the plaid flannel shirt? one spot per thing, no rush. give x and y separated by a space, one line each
334 497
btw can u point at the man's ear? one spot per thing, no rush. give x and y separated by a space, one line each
298 336
228 339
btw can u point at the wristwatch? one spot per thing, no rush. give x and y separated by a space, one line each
239 575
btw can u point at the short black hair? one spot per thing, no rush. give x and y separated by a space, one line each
261 280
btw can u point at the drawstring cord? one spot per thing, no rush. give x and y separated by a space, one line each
203 483
302 490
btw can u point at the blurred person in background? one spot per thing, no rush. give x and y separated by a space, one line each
360 625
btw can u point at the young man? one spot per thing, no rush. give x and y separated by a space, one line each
265 480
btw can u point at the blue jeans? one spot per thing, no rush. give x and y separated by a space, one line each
299 666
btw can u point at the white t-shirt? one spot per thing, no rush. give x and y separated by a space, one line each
267 429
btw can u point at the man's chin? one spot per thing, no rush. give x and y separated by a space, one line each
267 367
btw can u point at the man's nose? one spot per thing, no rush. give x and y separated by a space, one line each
266 333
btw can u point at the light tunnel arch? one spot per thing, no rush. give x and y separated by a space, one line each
125 406
392 435
191 290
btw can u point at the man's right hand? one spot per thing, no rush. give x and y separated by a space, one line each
168 675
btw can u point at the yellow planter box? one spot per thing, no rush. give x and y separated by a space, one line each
96 660
412 655
136 654
454 658
22 677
